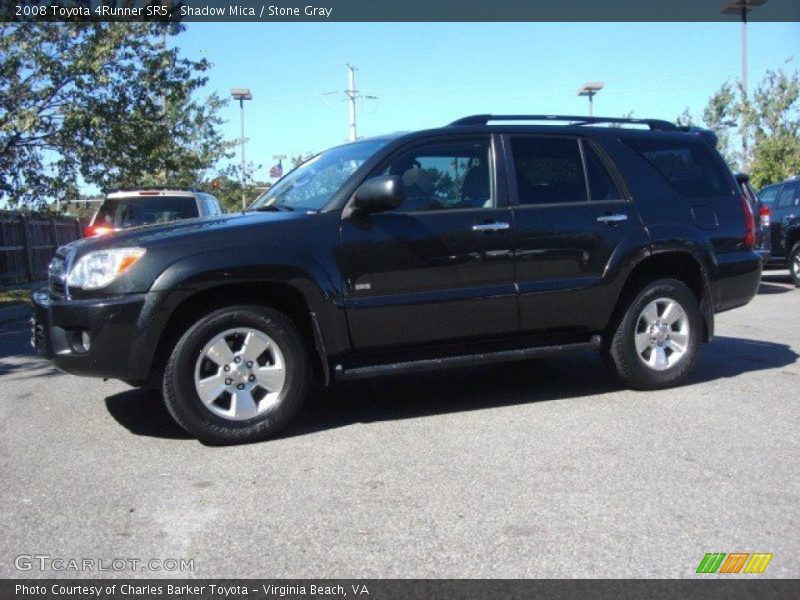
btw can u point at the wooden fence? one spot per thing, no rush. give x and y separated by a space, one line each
28 243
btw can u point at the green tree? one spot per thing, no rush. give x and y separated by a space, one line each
775 120
107 104
769 124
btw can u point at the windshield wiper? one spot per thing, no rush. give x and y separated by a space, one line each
273 208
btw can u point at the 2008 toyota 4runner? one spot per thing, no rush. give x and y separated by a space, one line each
493 238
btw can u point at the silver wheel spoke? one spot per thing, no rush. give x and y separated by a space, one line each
650 313
219 352
254 346
271 378
242 405
672 313
642 341
210 388
658 358
678 340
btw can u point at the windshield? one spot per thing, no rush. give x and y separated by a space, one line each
312 184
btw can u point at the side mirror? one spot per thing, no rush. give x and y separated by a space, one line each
379 194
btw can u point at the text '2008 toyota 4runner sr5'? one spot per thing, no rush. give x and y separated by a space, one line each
493 238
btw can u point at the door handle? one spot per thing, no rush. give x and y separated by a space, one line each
612 219
490 226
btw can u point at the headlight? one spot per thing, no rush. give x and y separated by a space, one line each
98 269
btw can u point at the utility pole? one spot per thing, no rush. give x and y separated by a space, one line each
352 94
741 8
242 94
590 89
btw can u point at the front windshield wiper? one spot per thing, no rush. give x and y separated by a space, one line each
272 208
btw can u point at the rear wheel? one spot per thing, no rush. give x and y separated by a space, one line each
239 374
655 342
794 264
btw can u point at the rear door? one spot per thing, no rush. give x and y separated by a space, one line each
787 210
440 267
768 197
571 216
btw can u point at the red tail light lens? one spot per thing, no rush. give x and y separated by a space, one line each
94 231
749 223
764 216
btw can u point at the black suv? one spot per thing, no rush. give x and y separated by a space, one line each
783 200
486 240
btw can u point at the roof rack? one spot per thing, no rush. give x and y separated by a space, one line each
149 188
566 119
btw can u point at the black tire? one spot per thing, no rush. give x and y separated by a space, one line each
184 403
620 351
794 264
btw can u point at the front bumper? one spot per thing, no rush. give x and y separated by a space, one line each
112 326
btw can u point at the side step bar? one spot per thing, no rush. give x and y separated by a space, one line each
464 360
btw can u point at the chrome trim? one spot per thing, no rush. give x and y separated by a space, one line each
490 226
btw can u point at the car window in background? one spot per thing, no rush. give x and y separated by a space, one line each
132 212
768 195
549 170
688 165
790 195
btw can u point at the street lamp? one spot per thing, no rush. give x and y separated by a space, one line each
590 89
742 7
242 94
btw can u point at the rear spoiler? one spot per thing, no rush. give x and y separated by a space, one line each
706 134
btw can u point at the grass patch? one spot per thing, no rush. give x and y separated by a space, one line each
11 297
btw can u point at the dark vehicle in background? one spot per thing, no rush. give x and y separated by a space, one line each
783 200
132 208
493 238
761 212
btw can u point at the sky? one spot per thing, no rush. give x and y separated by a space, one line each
429 74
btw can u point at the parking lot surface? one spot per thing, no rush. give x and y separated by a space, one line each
544 468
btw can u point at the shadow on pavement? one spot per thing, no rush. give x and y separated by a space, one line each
143 413
769 288
460 390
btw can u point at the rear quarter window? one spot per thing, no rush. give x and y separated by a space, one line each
689 165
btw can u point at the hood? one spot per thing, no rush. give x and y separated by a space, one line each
232 226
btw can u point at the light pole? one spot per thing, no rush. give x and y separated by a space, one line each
742 7
242 94
590 89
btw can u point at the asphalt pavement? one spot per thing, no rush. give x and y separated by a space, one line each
545 468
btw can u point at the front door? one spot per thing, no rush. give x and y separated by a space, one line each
440 267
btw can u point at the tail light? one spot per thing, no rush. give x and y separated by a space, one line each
95 231
749 223
763 216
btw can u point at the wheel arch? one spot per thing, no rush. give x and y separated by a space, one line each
681 265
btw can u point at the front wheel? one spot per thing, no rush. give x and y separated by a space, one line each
655 342
239 374
794 264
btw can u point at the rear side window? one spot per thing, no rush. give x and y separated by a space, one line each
790 195
145 210
689 165
601 185
548 170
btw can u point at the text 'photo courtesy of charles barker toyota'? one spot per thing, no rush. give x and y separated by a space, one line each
399 301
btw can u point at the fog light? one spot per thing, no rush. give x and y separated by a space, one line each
86 341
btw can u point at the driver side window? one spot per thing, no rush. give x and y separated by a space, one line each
445 175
